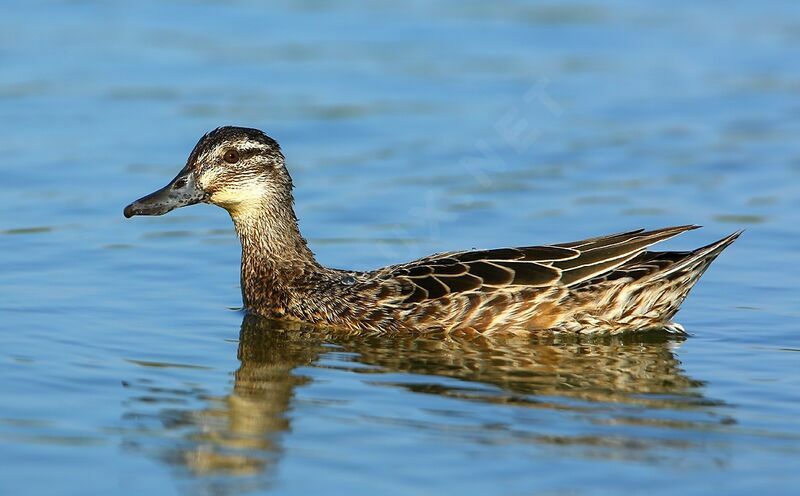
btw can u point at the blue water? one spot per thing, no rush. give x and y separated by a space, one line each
126 366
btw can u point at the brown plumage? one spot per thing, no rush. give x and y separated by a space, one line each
606 284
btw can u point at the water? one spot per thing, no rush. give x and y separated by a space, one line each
127 368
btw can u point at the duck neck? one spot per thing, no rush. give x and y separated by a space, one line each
275 256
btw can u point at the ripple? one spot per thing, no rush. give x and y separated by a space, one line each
27 230
167 365
741 219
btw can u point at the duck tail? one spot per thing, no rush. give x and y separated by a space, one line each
697 261
674 282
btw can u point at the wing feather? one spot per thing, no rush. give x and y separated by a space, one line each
569 264
601 255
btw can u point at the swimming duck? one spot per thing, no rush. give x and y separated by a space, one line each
607 284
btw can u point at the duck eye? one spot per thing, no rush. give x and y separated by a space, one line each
231 156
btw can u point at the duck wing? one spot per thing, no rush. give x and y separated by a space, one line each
566 264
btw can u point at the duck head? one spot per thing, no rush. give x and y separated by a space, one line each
236 168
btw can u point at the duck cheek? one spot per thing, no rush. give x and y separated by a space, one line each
224 198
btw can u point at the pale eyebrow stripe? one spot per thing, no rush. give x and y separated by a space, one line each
250 151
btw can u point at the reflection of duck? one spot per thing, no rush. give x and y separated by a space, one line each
241 433
606 284
611 369
238 433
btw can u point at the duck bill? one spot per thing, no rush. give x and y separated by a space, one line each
180 192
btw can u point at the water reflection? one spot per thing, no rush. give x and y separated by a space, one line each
621 381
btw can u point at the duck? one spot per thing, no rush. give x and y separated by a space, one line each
602 285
